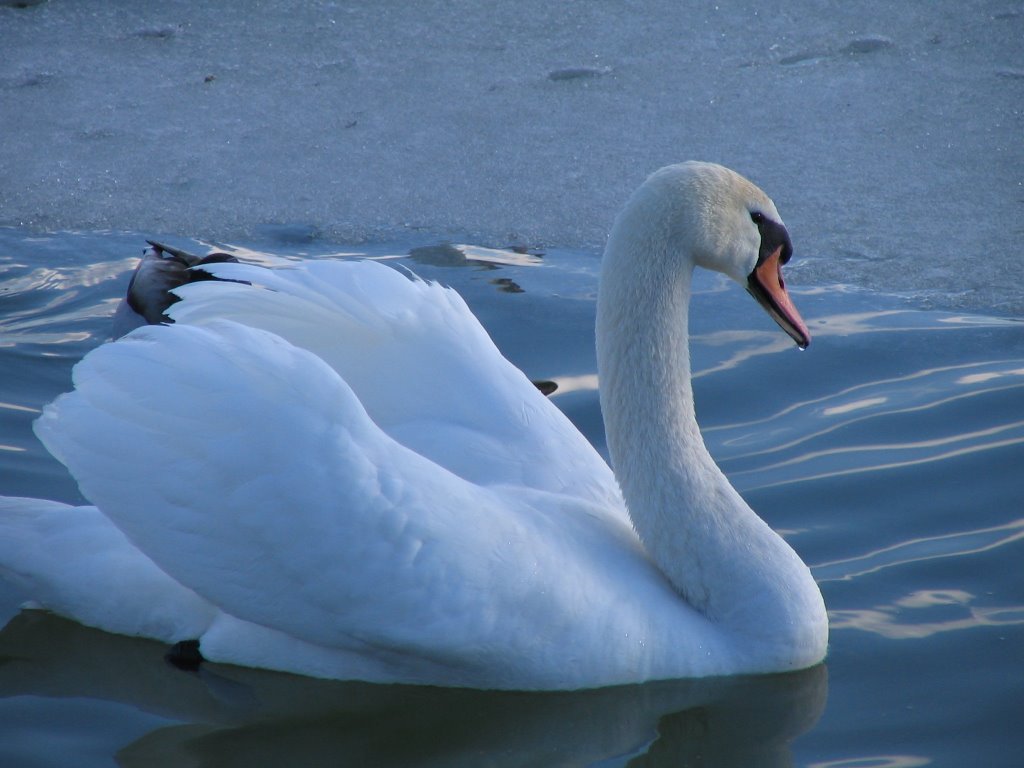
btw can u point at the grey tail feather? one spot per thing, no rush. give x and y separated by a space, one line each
176 252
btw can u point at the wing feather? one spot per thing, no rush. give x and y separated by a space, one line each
76 562
247 470
421 365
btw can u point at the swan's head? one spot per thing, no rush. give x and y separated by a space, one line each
722 222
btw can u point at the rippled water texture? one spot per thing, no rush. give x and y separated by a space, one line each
890 454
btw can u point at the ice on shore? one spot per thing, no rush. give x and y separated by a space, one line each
889 134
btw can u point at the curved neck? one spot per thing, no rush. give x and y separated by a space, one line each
723 559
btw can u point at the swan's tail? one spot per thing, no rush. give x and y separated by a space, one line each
75 562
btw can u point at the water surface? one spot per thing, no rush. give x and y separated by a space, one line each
889 454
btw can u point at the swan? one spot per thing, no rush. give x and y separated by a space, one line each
330 470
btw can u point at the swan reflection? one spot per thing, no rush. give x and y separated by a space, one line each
236 716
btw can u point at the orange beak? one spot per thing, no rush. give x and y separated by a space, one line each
766 285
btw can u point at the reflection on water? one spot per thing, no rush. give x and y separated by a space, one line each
914 616
919 415
924 612
233 716
875 761
948 545
456 255
889 454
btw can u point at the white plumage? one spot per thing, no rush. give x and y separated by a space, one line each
333 471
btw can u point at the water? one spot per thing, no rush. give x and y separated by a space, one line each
889 454
889 135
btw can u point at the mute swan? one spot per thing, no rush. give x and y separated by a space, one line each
330 470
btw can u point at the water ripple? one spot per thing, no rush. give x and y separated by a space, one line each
896 622
875 761
929 415
925 548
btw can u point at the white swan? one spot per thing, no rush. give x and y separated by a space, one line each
333 472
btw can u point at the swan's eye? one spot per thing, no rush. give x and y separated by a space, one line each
757 217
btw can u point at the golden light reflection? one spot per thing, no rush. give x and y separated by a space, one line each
856 405
894 622
881 448
981 378
584 383
926 598
499 256
253 256
897 382
874 761
69 278
472 253
41 337
767 342
917 550
16 407
924 612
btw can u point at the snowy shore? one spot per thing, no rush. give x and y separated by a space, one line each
888 134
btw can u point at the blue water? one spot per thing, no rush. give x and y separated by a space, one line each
890 454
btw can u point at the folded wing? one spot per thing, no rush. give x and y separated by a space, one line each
248 471
421 365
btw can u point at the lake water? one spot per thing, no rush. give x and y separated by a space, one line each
890 454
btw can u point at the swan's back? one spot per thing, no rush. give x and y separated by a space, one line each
421 365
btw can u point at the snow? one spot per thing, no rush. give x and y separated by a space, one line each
889 134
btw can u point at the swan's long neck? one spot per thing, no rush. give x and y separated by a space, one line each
724 560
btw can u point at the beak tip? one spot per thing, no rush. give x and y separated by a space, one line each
802 337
